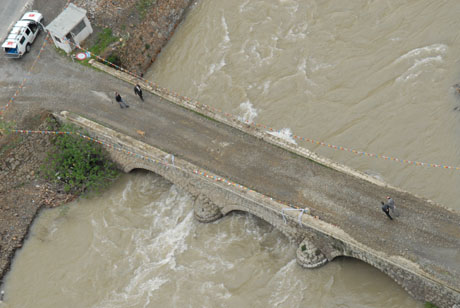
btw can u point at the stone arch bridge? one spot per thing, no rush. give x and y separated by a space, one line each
409 250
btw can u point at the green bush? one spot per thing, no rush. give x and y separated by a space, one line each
114 59
430 305
79 164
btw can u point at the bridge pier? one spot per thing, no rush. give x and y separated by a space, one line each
205 210
319 241
309 256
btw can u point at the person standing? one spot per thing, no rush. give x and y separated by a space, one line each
120 101
138 91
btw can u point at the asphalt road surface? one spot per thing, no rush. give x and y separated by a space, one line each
10 12
423 229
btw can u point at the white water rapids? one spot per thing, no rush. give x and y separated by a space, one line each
374 76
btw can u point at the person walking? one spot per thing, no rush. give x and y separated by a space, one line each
120 101
390 204
138 91
386 210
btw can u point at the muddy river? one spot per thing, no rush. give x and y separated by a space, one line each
374 76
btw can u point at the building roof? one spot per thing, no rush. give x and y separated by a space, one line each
66 21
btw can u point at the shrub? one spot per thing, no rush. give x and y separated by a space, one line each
114 59
79 164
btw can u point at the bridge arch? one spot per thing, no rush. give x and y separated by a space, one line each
287 233
313 236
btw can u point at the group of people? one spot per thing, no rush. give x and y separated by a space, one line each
386 206
122 103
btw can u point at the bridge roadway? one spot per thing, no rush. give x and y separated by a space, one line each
425 234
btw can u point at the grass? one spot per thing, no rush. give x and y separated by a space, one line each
12 141
104 39
16 140
143 6
6 125
430 305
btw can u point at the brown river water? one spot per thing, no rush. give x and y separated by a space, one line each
374 76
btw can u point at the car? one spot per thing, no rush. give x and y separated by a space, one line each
22 35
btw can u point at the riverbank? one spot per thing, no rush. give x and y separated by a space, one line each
22 191
145 27
142 26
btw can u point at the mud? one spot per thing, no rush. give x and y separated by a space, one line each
23 191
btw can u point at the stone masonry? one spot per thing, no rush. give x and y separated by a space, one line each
318 241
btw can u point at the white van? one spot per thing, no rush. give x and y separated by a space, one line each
22 35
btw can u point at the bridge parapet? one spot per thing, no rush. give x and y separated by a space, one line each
319 242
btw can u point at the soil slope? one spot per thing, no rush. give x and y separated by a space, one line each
144 25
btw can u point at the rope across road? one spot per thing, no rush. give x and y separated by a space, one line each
231 116
21 86
128 152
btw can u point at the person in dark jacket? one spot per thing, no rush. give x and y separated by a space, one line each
120 101
138 91
386 210
390 204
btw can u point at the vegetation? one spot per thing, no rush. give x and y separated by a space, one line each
430 305
114 59
10 144
79 164
8 141
143 6
104 39
5 126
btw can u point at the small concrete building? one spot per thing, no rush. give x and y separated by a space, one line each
70 28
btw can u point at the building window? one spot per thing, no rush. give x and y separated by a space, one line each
80 26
